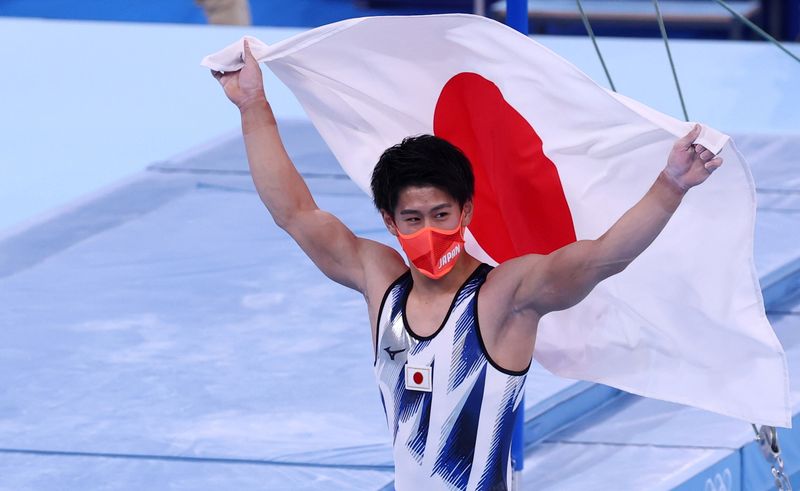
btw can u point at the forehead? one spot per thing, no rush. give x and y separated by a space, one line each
422 198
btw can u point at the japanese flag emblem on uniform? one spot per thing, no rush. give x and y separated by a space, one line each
419 378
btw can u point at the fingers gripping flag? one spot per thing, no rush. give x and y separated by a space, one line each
557 158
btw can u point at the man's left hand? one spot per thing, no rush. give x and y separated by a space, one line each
689 164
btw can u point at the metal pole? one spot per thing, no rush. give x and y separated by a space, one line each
518 447
517 15
669 57
758 30
479 7
594 42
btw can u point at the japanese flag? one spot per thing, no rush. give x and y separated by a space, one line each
557 158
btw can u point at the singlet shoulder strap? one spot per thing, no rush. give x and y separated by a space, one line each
398 286
481 272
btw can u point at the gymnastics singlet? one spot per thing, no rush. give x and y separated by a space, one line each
449 407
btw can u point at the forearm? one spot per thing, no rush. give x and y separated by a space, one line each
277 181
637 228
333 247
564 277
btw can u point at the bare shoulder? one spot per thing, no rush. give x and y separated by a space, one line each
382 266
508 333
498 296
505 279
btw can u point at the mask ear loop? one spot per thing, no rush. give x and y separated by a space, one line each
462 230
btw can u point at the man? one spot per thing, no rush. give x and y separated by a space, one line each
453 338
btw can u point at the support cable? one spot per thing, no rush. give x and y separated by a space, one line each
594 41
757 29
669 55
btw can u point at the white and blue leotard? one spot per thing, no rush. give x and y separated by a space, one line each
458 435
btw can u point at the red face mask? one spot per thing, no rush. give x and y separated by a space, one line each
433 251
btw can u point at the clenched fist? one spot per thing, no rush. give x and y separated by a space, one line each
245 86
690 164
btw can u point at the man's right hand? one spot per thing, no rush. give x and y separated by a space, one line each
245 86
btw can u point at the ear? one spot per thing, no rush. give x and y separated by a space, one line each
467 209
388 220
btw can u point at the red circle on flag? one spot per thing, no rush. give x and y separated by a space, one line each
520 207
418 378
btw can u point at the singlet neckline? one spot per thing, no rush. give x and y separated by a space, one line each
407 293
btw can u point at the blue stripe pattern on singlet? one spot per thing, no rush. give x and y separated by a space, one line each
496 468
397 296
470 287
383 402
416 443
467 352
454 461
409 401
420 346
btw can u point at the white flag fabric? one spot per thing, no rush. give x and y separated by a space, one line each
558 158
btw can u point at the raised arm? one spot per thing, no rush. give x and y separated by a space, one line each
335 250
563 278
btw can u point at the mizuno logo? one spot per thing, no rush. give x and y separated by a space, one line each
449 256
391 353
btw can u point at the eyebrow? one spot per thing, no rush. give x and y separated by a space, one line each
434 209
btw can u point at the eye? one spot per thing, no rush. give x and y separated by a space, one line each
412 219
441 214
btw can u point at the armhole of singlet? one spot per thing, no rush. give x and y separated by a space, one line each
517 373
380 313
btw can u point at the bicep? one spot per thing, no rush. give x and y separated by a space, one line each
334 248
556 281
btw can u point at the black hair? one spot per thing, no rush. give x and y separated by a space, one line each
423 160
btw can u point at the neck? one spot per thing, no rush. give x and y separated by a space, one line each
449 283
